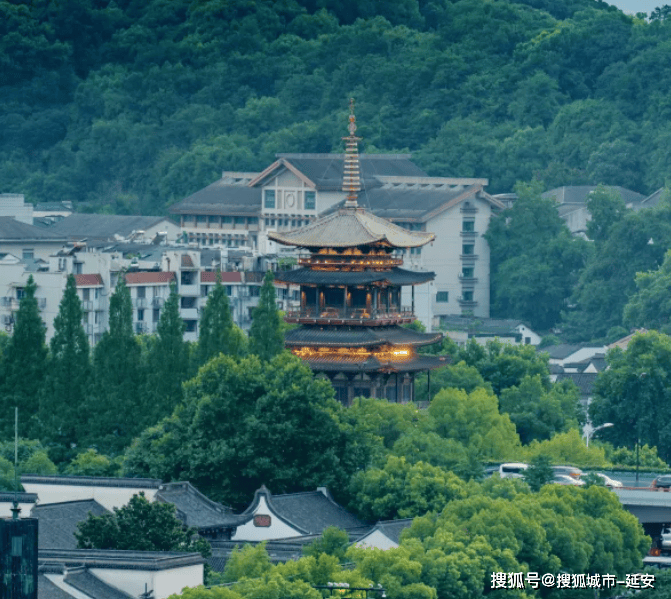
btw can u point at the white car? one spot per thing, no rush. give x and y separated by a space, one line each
607 480
565 479
665 538
512 470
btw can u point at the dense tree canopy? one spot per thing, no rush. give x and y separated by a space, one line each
129 106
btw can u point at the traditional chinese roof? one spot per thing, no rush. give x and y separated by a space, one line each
347 363
357 336
58 521
352 227
195 509
395 276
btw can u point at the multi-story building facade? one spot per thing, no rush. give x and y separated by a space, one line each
241 209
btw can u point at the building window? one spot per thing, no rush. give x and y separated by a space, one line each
467 272
20 293
468 226
468 296
442 296
239 220
527 341
293 224
415 251
227 220
252 220
85 294
28 254
191 326
140 315
269 198
141 292
214 220
201 219
468 249
157 315
310 200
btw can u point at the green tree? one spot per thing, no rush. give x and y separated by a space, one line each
539 472
650 306
265 335
253 423
538 413
333 541
91 463
607 208
217 333
117 410
68 376
403 490
168 361
633 394
473 419
535 261
140 525
24 366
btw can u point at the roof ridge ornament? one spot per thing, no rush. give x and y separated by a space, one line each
351 177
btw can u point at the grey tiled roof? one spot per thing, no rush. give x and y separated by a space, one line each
358 336
349 228
562 350
102 226
48 590
58 521
492 326
326 170
395 276
409 202
118 560
577 194
82 580
221 197
13 230
393 528
583 380
313 511
8 497
195 509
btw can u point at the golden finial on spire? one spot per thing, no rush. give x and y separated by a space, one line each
351 178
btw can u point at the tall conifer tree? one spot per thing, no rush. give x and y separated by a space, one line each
68 376
216 334
265 336
168 360
24 365
118 410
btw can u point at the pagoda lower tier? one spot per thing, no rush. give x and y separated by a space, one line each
366 361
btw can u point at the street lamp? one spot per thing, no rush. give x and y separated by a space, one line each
590 430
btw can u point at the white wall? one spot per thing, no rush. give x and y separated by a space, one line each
276 530
109 497
377 540
6 509
163 582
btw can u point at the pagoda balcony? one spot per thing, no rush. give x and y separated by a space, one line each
327 262
329 315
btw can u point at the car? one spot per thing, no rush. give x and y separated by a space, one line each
512 470
565 479
607 480
665 538
567 471
663 481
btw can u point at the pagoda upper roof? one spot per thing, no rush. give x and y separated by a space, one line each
352 227
358 336
394 276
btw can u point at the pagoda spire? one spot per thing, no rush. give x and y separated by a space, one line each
351 177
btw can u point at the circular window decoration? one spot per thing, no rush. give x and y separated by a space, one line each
262 521
290 200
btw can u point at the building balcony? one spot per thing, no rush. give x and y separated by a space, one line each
469 234
10 302
189 313
468 256
351 316
467 280
192 290
140 302
466 302
157 302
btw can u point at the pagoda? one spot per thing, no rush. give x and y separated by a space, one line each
350 313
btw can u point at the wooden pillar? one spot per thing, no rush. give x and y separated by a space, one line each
413 300
344 301
317 301
375 302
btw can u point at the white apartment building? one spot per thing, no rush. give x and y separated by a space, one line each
240 209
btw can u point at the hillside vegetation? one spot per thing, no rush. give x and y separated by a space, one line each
128 106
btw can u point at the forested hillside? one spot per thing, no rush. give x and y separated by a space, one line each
130 105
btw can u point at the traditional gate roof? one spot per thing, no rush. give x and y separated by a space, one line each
395 276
